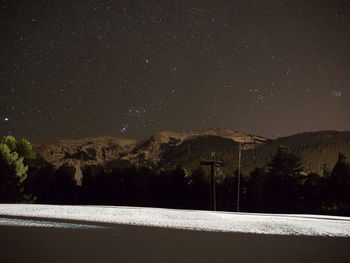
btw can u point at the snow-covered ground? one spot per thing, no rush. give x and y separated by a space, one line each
277 224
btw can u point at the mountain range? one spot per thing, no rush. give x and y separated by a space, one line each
166 149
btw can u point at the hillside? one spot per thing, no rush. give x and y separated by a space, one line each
163 148
316 149
170 149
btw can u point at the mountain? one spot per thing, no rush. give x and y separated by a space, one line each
164 147
96 150
169 149
318 150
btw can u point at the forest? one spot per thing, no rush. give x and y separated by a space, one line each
284 187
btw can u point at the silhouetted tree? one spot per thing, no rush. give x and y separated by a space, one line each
64 187
232 183
198 189
312 193
40 181
176 188
339 186
95 186
285 180
256 190
157 191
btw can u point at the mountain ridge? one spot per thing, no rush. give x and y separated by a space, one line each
169 149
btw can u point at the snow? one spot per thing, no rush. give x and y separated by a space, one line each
278 224
43 223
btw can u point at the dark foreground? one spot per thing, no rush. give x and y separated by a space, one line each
122 243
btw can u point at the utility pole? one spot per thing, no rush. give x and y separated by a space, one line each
239 175
212 185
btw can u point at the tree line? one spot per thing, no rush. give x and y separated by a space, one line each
282 188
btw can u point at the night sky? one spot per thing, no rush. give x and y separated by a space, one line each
71 69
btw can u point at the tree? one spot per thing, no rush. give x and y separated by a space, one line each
199 189
339 186
178 188
10 141
285 163
231 186
257 182
312 193
40 181
94 185
285 181
64 185
24 149
13 171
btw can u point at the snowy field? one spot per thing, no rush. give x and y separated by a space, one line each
310 225
48 233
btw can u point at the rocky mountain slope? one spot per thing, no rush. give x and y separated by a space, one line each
318 150
102 150
169 149
88 151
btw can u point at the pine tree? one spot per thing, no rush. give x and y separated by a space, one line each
257 182
285 181
12 171
339 184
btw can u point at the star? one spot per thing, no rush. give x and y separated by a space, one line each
123 130
166 64
336 93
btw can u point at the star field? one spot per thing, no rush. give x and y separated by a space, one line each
131 68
